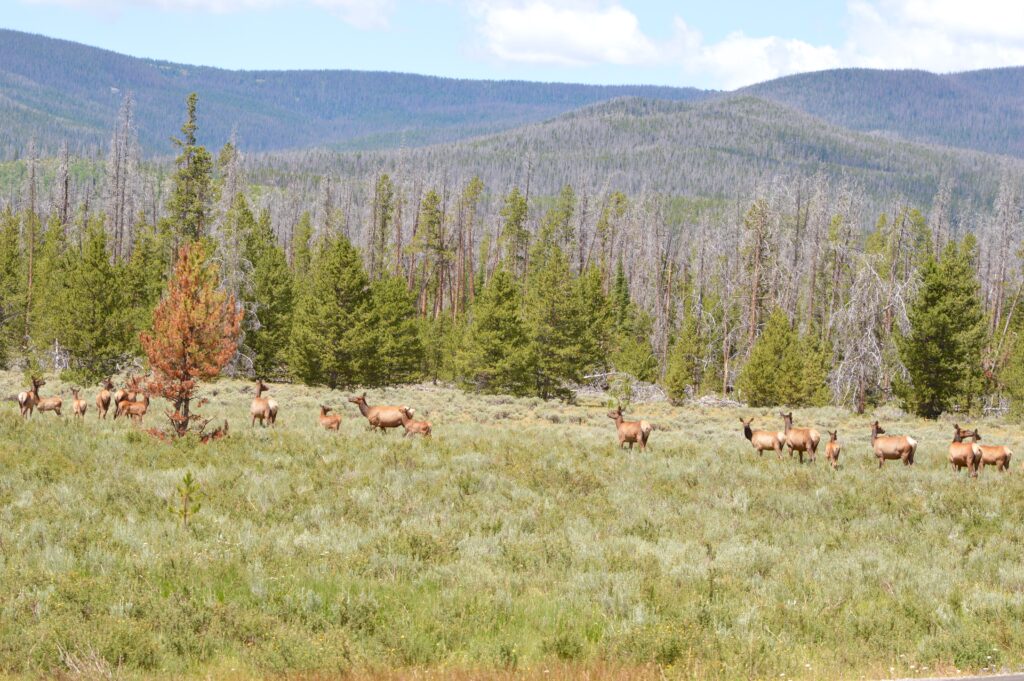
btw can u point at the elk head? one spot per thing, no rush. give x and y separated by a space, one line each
358 399
616 414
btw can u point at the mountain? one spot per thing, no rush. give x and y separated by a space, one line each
724 147
981 110
55 90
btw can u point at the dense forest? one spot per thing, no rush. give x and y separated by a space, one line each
504 289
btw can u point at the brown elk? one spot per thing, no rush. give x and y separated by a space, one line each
129 392
964 454
28 399
630 431
53 404
800 439
763 440
892 447
833 448
78 405
414 427
263 409
134 409
381 417
993 455
103 398
329 421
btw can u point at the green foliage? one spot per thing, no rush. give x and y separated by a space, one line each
942 352
143 278
492 357
331 334
631 329
193 193
684 359
271 295
815 359
186 503
396 344
302 246
515 238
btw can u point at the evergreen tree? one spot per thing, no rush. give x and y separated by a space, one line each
515 237
53 263
493 357
331 334
815 359
270 292
684 359
142 280
942 352
775 355
631 345
10 283
302 246
397 347
190 205
597 333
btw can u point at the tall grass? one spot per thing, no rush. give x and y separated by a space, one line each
519 539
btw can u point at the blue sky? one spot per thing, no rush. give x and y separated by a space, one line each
721 44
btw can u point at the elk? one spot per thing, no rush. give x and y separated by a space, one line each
993 455
833 448
28 399
134 409
78 406
381 417
763 440
892 447
414 427
630 431
964 454
103 398
263 408
130 392
53 404
800 439
329 421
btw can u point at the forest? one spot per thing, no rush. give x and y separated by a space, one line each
395 278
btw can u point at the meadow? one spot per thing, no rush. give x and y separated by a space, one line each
518 541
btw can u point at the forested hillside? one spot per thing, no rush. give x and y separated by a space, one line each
58 91
981 110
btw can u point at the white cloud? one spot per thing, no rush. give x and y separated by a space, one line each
365 14
543 32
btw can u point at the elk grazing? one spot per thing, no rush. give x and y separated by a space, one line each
800 439
28 399
630 431
964 454
329 421
892 447
414 427
993 455
763 440
263 409
833 448
134 409
381 417
103 398
78 405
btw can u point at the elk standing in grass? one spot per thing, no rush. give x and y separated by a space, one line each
129 392
53 404
833 448
800 439
964 454
630 431
103 398
134 409
763 440
381 417
78 406
327 420
28 399
263 409
414 427
993 455
892 447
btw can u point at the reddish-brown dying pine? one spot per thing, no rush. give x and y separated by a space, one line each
195 333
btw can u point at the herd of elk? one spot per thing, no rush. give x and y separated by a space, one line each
632 432
263 409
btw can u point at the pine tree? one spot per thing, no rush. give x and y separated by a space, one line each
302 246
515 238
942 352
815 359
493 357
397 347
631 346
774 356
193 195
142 279
53 263
331 332
270 292
11 300
195 333
684 359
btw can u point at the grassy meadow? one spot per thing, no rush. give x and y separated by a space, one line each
518 541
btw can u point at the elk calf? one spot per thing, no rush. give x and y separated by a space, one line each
78 406
833 448
329 421
763 440
632 432
414 427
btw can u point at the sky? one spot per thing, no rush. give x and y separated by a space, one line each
720 44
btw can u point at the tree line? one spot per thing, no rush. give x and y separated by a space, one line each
783 298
